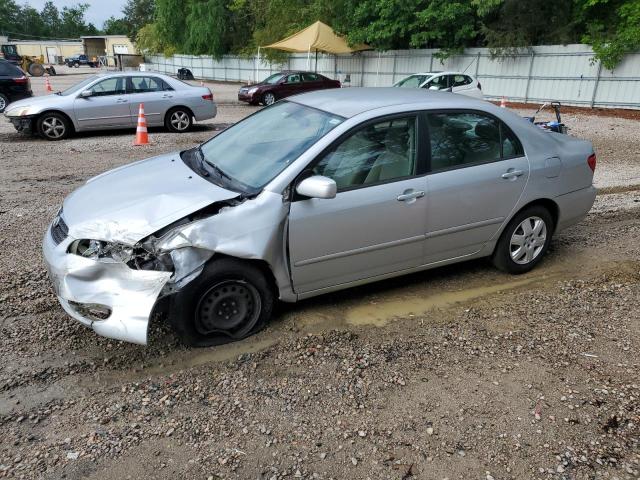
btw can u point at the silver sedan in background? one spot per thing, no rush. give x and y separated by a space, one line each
111 100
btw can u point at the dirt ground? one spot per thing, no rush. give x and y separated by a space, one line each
461 372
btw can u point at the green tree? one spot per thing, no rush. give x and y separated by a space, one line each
206 28
170 23
115 26
612 27
137 14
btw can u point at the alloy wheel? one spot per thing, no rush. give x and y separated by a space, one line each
53 127
230 308
528 240
269 99
180 120
3 103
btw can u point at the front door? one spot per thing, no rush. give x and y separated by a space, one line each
376 223
107 107
478 173
291 85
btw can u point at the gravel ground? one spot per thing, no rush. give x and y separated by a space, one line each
461 372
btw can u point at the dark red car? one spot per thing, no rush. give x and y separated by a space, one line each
284 84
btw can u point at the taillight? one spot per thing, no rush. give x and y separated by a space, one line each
479 86
208 97
591 161
21 79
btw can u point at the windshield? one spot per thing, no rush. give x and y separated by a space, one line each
273 78
79 86
255 150
414 81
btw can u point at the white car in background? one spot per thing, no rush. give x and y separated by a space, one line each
455 82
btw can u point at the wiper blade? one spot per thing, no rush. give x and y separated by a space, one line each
201 162
213 166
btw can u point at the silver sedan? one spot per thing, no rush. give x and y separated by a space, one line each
112 100
316 193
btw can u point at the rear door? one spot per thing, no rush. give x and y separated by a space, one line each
154 93
376 223
107 107
478 172
312 81
461 83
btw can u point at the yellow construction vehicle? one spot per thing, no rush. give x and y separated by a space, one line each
33 65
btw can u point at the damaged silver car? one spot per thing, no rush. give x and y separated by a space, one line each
318 193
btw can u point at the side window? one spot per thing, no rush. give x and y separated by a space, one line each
378 152
146 84
109 86
511 146
466 138
310 77
294 78
440 82
460 80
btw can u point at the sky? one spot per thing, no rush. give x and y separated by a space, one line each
97 13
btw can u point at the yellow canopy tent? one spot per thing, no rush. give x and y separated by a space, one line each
317 37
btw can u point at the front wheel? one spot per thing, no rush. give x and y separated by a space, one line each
268 99
4 101
229 301
53 126
525 240
178 120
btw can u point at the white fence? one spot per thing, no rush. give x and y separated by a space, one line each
567 73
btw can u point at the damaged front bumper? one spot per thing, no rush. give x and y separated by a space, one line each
23 124
113 299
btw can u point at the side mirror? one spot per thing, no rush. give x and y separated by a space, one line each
317 187
86 93
434 87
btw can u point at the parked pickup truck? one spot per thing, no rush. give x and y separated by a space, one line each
80 59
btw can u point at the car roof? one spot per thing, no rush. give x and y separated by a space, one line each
135 73
348 102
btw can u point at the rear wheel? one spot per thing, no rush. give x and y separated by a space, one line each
178 120
525 240
229 301
54 126
268 98
4 101
76 64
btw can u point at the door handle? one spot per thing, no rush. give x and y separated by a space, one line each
511 173
121 100
166 95
409 195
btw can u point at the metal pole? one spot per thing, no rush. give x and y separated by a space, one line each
526 92
378 68
362 71
393 72
477 65
595 86
316 67
431 64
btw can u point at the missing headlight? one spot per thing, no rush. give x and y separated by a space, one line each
136 257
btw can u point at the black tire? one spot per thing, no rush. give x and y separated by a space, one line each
51 71
178 120
54 126
505 251
36 70
4 101
76 64
268 98
229 301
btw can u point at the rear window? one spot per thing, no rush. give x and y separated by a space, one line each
9 70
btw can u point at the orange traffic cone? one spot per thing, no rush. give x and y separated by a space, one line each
47 85
503 103
142 138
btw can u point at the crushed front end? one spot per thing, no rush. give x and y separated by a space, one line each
106 287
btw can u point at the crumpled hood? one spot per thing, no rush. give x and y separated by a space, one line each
133 201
